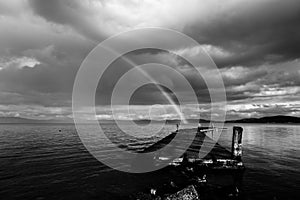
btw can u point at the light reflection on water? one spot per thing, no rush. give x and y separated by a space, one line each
271 153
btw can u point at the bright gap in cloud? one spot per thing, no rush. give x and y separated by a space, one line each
18 62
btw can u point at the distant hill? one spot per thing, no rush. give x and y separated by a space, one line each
19 120
268 120
273 119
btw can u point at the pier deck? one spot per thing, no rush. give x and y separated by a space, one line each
211 149
212 181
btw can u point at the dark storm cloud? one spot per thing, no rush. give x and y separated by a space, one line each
254 31
69 13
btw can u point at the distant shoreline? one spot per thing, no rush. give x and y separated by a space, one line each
264 120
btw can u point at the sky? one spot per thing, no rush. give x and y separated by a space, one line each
255 45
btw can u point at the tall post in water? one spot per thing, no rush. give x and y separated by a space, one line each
236 148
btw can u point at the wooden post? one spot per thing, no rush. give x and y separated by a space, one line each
236 148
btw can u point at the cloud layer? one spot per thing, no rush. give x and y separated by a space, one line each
255 44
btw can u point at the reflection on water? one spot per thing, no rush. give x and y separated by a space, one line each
272 157
38 161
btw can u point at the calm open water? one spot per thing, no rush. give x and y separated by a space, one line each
39 162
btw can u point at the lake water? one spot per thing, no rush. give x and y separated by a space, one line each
37 161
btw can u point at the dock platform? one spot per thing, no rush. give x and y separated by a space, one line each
196 147
217 175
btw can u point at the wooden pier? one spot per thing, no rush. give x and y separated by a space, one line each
219 171
202 149
193 150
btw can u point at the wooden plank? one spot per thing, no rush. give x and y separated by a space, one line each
196 146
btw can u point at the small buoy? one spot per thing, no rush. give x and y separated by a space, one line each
59 130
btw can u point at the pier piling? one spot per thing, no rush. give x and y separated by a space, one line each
236 147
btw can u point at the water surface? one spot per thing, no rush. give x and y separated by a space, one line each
40 162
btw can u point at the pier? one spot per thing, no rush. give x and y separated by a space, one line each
216 175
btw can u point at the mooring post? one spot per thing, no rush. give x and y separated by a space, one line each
236 148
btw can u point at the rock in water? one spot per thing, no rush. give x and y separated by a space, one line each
188 193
